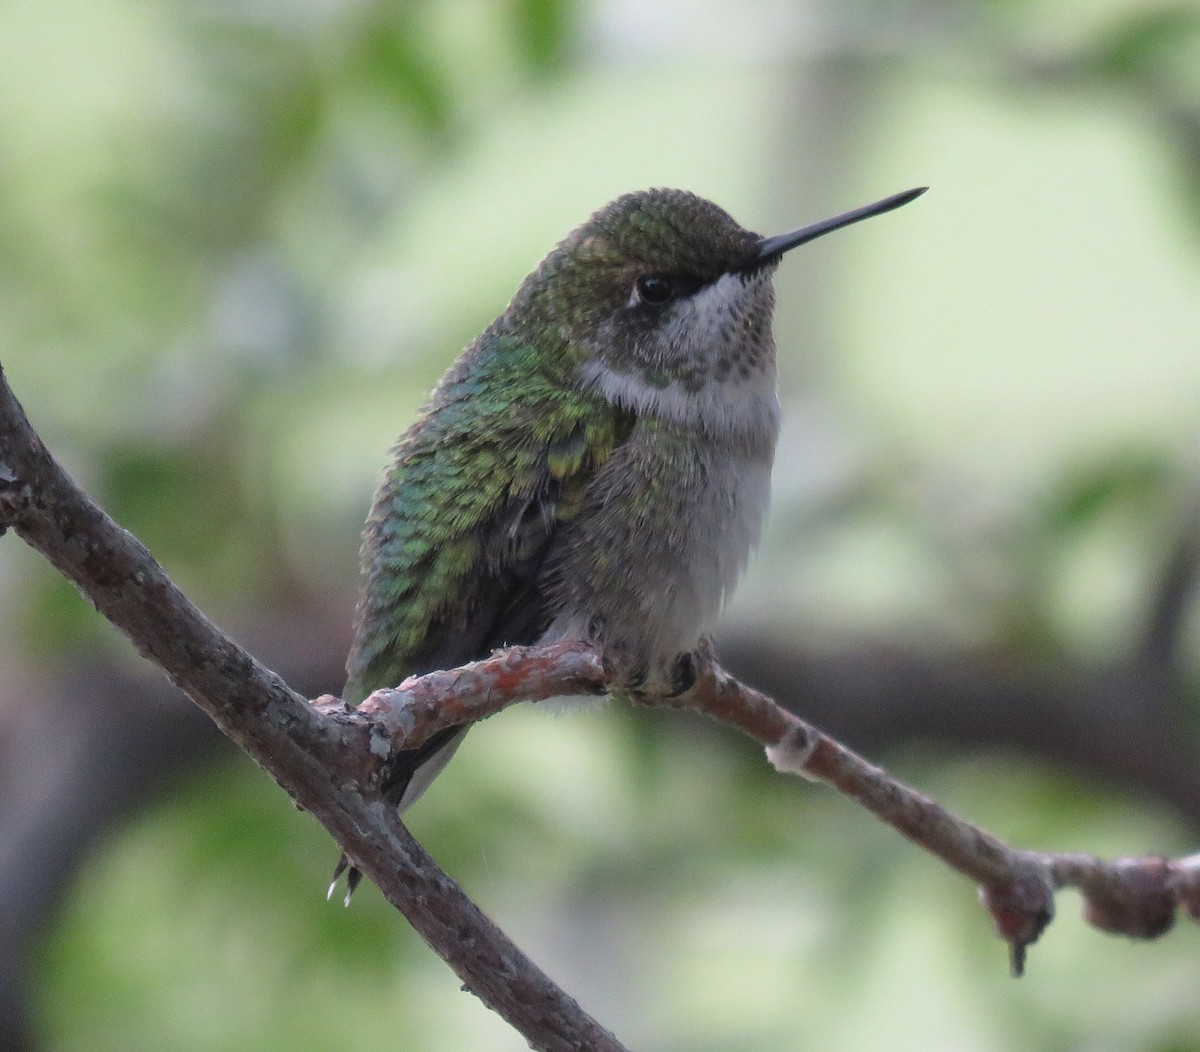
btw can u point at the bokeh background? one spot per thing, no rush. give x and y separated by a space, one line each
240 240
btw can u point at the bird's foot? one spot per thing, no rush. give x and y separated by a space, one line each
644 680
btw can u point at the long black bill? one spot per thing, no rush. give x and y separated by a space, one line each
770 247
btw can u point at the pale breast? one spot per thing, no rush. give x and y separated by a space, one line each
724 528
667 528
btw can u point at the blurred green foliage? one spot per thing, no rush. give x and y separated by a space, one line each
239 241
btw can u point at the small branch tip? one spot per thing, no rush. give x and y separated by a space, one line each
1021 909
1016 958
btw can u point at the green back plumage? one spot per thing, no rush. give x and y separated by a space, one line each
499 458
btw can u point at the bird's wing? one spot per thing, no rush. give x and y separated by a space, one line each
460 529
463 522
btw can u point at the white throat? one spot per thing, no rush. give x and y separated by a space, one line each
712 332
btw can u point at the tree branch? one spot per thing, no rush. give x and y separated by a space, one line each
1137 897
1134 897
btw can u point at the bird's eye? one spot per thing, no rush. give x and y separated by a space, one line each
654 289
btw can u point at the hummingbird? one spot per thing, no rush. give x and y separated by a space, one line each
594 466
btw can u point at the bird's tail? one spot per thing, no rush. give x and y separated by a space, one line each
407 775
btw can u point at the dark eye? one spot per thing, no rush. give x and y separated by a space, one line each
655 289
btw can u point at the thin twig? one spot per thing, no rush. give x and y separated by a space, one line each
1136 897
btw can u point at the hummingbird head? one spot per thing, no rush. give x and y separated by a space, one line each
664 302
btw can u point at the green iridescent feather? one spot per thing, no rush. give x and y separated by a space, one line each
477 488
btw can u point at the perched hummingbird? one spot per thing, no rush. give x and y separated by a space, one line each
595 465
